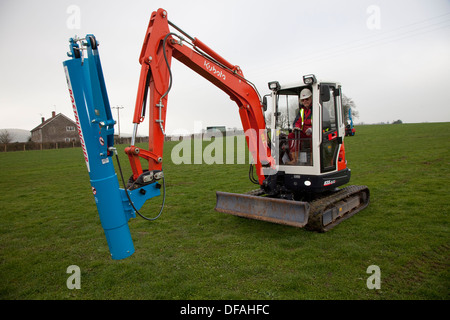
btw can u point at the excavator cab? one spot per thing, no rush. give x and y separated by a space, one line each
303 190
312 163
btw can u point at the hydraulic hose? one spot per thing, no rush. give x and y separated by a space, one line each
129 198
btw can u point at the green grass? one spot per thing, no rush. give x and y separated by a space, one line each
49 221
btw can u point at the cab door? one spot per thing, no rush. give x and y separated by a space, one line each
330 127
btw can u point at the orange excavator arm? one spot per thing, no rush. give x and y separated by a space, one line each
160 46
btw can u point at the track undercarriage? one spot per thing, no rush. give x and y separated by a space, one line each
321 214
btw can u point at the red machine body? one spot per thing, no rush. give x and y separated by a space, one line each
302 193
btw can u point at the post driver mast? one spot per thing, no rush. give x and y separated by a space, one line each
95 125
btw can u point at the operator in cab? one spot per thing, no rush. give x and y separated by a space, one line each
300 139
303 120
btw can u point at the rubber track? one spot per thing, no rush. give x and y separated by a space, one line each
318 207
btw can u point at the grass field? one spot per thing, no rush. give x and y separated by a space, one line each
49 221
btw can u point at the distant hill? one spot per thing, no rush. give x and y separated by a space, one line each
18 135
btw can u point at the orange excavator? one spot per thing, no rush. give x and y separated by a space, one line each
295 135
298 174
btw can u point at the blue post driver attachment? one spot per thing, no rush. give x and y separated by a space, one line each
92 111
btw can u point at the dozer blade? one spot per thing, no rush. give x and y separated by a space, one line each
281 211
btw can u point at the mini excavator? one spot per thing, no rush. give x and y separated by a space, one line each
298 175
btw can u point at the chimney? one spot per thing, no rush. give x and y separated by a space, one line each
53 114
43 119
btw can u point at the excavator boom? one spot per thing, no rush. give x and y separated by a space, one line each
159 47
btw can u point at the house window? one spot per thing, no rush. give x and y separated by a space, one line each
70 128
67 139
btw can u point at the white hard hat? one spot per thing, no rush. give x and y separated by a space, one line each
306 93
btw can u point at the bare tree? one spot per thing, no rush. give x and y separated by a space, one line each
268 119
348 103
5 138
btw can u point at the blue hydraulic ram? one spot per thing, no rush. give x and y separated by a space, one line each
96 131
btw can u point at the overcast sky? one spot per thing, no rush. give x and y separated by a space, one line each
391 57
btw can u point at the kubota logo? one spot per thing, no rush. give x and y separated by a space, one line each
218 73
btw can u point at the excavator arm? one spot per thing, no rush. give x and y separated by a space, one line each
159 47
